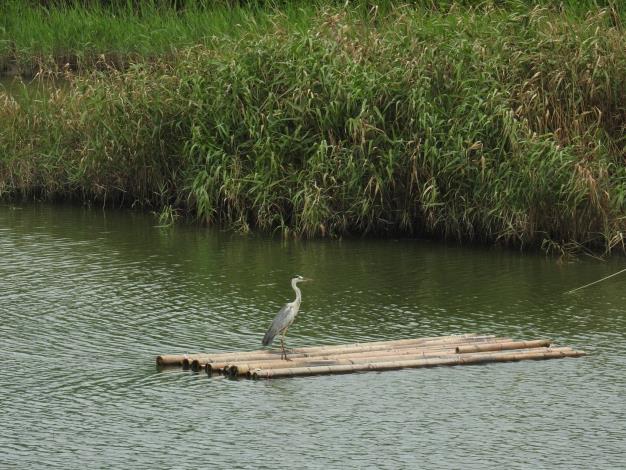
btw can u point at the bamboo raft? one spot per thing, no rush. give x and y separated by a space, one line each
452 350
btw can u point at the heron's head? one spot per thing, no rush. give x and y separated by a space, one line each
299 278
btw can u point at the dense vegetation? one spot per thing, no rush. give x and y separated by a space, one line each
495 123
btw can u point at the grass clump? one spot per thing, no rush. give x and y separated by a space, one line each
507 127
45 35
83 35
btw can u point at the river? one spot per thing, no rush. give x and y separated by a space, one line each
88 299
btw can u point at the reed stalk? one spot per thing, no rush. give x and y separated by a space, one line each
500 123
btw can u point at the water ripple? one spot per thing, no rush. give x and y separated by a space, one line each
88 299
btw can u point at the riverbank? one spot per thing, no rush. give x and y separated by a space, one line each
96 35
54 35
506 127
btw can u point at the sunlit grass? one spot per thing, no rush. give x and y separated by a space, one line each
80 37
81 34
503 127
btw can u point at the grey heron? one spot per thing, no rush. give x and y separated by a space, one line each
285 318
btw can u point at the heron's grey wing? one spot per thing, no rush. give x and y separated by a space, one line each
279 323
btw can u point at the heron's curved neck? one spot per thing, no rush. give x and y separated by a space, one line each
294 286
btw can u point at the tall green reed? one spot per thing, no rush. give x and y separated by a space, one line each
503 128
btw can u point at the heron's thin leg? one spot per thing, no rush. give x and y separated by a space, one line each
282 345
283 354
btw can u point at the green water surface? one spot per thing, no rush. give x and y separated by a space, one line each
89 298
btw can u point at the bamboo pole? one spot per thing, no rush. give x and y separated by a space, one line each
241 368
336 349
177 359
170 360
457 359
199 362
216 367
470 348
246 369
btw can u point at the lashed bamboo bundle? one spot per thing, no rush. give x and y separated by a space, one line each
451 360
178 359
379 355
364 350
241 367
201 361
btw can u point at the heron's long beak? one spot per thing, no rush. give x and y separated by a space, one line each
307 279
